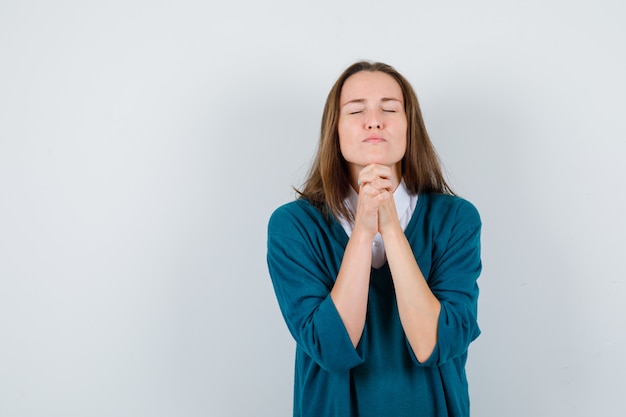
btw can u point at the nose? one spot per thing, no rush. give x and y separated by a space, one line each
373 123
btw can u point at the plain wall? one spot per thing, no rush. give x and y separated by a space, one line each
144 144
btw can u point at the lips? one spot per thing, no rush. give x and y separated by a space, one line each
374 139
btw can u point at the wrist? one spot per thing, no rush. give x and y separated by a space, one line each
391 230
363 235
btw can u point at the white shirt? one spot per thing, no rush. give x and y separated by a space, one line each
405 206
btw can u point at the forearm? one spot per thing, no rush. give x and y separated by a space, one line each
417 306
351 289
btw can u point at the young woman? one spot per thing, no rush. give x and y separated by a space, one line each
375 264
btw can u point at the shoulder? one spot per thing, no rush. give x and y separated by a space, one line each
295 214
449 208
297 209
447 200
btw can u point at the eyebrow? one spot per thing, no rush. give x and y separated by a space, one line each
362 100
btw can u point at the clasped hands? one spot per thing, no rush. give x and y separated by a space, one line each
376 208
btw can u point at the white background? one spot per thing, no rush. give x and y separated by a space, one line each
144 144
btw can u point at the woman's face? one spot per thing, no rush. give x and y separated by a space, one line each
372 123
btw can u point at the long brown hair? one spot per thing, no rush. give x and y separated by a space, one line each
328 181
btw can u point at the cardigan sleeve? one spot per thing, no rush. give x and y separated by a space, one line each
453 280
302 285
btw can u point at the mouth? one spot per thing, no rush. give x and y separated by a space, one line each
374 139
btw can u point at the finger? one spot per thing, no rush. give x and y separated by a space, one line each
377 169
370 176
382 184
369 190
372 173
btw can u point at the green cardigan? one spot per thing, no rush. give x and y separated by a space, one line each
382 376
